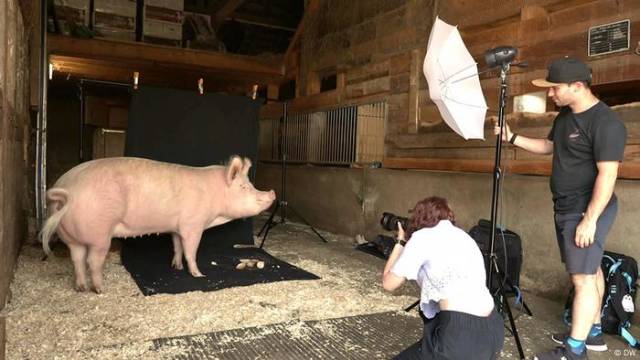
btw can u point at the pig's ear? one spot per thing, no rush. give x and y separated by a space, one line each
234 168
247 166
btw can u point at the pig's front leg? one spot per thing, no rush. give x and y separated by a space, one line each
176 263
190 242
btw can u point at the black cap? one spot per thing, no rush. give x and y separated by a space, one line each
565 71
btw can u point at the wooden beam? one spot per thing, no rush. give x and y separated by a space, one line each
157 75
224 11
628 170
129 52
310 11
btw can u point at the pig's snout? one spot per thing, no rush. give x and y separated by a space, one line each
266 198
271 195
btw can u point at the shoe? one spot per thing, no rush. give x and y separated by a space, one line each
593 343
560 353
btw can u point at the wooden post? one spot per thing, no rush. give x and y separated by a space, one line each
414 85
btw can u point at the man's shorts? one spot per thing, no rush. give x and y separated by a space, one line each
583 260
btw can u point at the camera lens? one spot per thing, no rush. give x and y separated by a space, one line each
390 221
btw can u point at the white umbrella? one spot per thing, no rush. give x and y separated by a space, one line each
454 85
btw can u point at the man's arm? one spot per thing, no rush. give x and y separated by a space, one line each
602 191
536 146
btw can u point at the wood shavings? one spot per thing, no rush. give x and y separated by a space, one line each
47 319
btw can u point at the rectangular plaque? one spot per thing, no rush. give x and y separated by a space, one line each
609 38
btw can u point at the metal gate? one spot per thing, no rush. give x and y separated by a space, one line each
341 136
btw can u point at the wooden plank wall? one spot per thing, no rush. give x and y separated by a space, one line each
14 142
378 47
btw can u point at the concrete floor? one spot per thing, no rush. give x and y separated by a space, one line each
534 331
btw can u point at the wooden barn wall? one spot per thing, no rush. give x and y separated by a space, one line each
14 141
376 48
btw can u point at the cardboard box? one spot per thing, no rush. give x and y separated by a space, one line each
71 13
162 21
115 19
167 4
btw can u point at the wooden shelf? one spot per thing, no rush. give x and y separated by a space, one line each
113 60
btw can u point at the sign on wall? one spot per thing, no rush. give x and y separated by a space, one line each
609 38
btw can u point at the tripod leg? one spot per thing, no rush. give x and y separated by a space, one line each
505 304
270 220
269 224
309 225
526 308
412 306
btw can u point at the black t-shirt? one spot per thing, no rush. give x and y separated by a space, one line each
579 142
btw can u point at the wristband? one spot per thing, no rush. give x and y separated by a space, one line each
513 138
401 242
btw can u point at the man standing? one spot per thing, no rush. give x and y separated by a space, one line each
587 141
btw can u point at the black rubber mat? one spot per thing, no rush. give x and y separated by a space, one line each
372 336
148 260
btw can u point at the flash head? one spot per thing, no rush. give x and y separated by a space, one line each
500 55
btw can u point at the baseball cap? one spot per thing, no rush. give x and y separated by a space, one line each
565 71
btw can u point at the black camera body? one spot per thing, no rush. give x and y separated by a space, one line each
390 221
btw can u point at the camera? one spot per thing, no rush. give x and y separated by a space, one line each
390 221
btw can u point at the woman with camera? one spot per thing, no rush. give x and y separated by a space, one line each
460 319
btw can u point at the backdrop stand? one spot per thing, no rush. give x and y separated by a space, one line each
282 204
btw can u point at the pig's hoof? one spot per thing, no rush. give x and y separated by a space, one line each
80 287
177 265
97 290
197 274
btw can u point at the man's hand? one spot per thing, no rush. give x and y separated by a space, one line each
506 134
585 233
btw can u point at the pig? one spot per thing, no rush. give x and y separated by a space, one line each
128 196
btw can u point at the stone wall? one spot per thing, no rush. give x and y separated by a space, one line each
351 201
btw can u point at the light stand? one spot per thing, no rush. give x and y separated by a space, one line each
493 268
282 204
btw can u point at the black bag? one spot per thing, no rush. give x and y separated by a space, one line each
618 301
509 265
381 246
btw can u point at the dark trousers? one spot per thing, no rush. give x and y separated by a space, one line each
455 335
583 260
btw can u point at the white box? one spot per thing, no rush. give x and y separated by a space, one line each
162 29
535 102
117 7
115 19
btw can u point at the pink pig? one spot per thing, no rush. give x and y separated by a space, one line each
124 197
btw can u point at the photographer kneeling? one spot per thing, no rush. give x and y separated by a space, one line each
461 322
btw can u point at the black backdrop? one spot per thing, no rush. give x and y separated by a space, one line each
186 128
183 127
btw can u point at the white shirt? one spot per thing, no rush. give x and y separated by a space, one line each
447 264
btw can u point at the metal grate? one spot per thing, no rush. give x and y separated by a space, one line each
341 136
371 336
